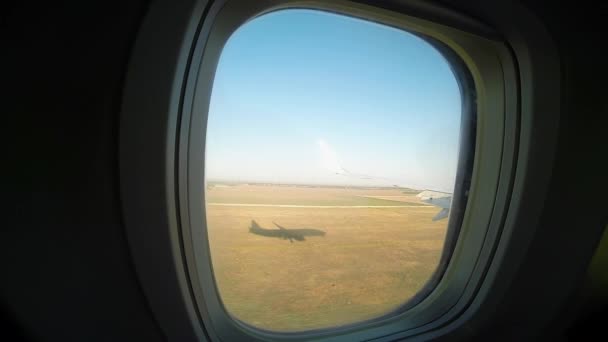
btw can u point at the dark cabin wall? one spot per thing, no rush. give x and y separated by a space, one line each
575 211
64 259
580 173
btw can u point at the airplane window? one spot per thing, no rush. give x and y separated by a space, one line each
331 157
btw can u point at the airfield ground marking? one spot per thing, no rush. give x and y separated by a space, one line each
317 206
378 196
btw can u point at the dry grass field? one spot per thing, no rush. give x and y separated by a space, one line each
368 262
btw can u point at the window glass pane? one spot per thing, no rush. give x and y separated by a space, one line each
332 146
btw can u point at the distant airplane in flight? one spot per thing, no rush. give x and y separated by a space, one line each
330 162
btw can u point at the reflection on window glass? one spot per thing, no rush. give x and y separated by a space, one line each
332 147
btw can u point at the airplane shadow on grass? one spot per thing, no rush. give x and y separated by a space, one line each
298 234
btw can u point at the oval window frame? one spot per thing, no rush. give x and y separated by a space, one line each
480 61
153 205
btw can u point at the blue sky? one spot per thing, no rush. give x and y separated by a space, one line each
382 100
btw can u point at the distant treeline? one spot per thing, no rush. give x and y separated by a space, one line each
211 184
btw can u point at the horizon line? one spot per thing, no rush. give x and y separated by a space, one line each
395 186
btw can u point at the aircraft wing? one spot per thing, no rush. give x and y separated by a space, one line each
442 200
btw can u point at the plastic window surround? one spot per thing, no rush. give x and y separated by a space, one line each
175 232
481 56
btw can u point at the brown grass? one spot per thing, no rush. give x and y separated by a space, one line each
369 262
261 194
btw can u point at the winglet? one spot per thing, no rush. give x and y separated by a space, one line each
442 214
